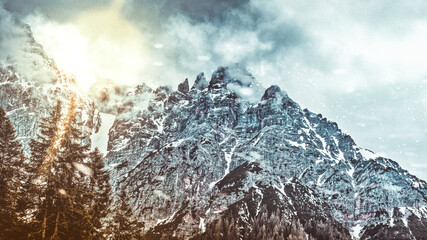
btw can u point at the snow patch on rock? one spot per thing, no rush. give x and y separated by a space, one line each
356 230
100 139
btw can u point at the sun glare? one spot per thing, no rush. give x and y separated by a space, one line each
98 44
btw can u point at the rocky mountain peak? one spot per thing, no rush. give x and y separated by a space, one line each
219 78
235 75
200 82
271 92
184 87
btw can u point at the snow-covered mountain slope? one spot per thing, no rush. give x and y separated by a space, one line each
31 84
224 156
178 156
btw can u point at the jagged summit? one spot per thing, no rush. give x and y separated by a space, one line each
200 82
236 79
235 76
184 87
271 92
219 148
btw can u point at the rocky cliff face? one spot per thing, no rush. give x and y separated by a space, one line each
31 84
194 153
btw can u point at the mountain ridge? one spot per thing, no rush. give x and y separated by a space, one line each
323 157
197 162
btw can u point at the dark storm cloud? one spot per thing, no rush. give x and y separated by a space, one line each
226 31
236 14
61 10
197 10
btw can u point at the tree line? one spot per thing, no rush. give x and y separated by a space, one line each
62 189
269 225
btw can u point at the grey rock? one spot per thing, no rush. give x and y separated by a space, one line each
183 152
183 87
200 82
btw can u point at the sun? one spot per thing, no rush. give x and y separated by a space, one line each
98 44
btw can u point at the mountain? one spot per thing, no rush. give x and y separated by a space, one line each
197 154
224 158
31 84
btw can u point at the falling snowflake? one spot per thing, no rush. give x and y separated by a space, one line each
83 168
62 191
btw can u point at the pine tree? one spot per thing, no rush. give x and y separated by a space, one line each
39 182
11 159
99 195
124 227
71 180
60 210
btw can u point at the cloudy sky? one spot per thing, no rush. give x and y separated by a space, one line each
360 63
